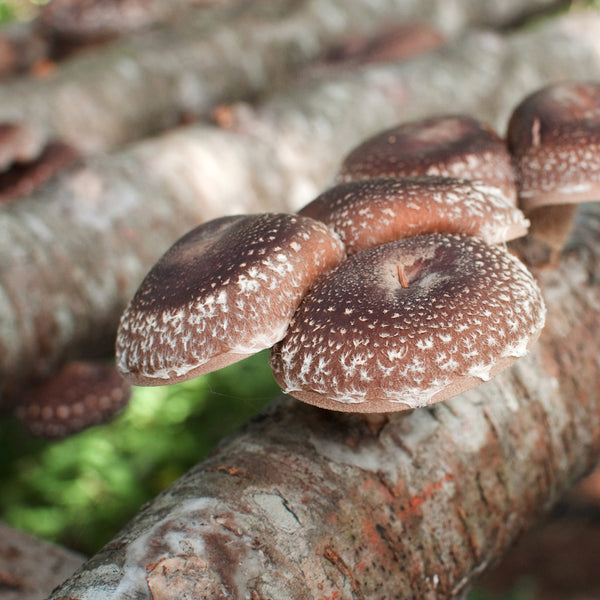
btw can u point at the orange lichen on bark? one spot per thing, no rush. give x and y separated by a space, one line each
230 470
335 595
414 502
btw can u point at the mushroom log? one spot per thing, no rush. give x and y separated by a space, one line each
409 323
224 291
374 211
452 145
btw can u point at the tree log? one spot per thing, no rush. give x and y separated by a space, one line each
30 568
85 21
74 253
139 85
306 503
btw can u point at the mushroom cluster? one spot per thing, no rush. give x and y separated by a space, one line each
393 289
429 302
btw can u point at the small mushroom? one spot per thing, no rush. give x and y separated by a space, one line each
452 146
554 137
23 178
407 324
374 211
79 395
224 291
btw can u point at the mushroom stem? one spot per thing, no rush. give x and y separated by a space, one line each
551 227
376 421
402 276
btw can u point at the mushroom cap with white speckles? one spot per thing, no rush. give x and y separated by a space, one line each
77 396
375 211
448 145
554 136
224 291
362 342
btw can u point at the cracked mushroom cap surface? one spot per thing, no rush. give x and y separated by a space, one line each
79 395
449 145
224 291
409 323
554 136
375 211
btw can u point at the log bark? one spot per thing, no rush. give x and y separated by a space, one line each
30 568
306 503
81 21
74 253
139 85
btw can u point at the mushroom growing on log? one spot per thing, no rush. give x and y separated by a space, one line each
554 137
233 286
224 291
409 323
77 396
369 212
450 145
423 310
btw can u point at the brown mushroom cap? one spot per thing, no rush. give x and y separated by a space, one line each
23 178
374 211
452 146
554 136
224 291
79 395
407 324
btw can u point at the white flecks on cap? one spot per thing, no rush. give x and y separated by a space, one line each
554 137
374 211
448 145
469 310
224 291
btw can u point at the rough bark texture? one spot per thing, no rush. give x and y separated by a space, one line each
305 503
137 85
30 568
74 253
